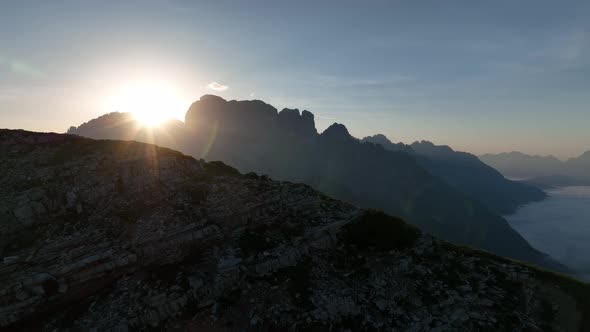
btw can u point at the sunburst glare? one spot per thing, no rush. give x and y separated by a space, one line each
151 103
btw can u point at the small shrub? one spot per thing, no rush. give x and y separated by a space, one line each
377 229
218 168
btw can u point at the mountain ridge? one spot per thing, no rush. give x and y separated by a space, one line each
126 235
543 170
250 136
468 173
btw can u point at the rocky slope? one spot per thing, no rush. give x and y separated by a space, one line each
254 137
111 235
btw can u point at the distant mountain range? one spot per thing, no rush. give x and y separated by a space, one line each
254 137
466 172
544 171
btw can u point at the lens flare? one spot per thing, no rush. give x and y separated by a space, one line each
150 103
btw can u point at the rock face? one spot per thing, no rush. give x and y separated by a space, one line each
253 137
111 235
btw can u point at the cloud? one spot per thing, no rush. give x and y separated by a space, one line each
21 68
344 81
217 87
574 46
565 51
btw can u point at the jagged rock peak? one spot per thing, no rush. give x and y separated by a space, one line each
210 110
210 98
337 130
289 112
378 138
302 123
104 121
427 146
248 117
307 114
388 144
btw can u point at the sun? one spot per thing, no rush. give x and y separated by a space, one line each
151 103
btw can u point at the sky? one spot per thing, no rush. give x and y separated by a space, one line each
480 76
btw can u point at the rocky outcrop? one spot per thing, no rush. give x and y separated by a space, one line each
111 235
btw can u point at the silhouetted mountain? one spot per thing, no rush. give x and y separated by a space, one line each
519 165
387 144
579 166
546 169
123 126
466 172
254 137
119 236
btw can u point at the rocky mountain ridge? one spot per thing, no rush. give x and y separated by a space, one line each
255 137
466 172
114 235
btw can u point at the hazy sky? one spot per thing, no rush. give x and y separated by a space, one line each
481 76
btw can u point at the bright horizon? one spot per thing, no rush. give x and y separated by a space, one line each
480 78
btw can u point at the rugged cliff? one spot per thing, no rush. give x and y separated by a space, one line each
118 235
